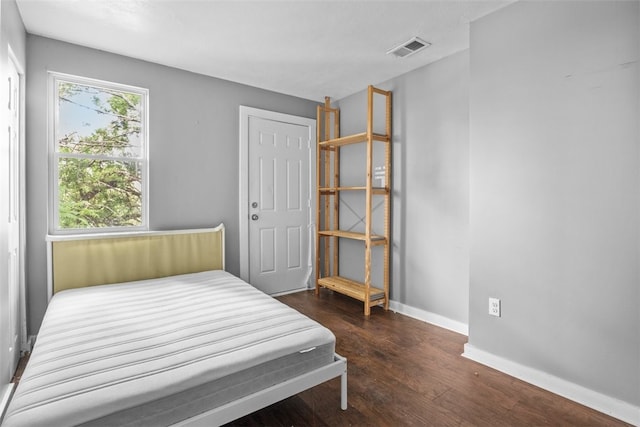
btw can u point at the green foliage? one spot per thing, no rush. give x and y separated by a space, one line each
100 173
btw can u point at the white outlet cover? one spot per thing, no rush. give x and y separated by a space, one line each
494 307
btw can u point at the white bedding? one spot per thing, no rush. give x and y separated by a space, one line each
104 349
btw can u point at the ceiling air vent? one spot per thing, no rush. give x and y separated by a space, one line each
409 47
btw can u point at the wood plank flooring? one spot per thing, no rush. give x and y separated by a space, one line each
403 372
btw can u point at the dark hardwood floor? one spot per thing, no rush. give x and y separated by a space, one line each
404 372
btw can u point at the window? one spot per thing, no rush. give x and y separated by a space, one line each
99 155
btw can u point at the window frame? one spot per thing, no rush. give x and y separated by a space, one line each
54 155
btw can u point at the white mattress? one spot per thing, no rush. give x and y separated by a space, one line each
108 353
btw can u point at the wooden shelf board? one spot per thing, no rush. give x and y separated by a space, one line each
327 148
380 190
351 288
351 139
375 239
332 190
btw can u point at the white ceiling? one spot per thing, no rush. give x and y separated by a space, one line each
304 48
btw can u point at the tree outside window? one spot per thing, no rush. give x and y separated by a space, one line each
99 157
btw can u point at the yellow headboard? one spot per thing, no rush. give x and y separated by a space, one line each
88 260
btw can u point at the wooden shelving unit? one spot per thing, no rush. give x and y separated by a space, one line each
329 189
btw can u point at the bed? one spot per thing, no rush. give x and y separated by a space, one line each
155 332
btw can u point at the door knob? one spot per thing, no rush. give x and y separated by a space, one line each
254 204
254 217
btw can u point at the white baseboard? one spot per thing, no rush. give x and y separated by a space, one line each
427 316
5 395
30 343
291 291
598 401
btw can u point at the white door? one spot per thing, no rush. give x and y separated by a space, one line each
14 213
281 170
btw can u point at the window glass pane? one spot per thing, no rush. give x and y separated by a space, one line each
99 155
98 120
99 193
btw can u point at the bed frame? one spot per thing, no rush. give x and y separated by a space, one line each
85 260
97 259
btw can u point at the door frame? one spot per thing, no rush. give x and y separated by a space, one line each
243 222
24 342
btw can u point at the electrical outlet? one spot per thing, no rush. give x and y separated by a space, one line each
494 307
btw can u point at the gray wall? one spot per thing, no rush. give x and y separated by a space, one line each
543 199
530 173
430 215
555 190
194 123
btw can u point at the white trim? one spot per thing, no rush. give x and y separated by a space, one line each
598 401
49 270
245 114
5 397
429 317
62 237
22 196
31 342
263 398
53 155
292 291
